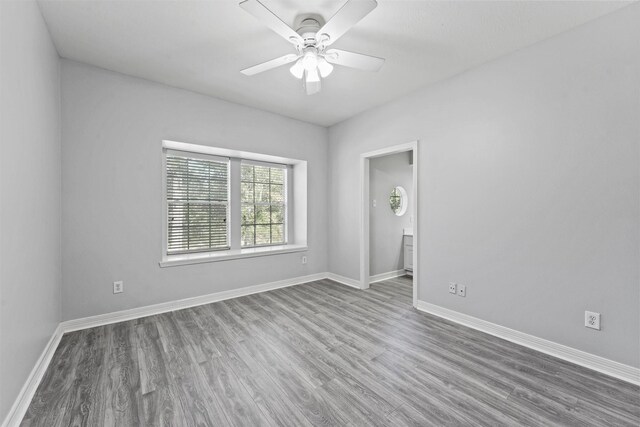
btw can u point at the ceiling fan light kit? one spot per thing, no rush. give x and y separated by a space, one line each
324 67
297 69
313 61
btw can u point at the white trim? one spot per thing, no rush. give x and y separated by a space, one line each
195 155
225 152
21 404
365 179
414 229
400 148
365 158
267 164
343 280
597 363
386 276
149 310
197 258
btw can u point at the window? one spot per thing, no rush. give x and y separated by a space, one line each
222 204
263 195
197 203
398 200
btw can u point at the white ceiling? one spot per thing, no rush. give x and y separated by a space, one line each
202 45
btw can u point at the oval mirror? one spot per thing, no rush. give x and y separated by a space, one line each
398 201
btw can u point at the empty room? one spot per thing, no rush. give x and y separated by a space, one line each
319 213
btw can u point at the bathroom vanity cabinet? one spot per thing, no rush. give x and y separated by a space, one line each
408 254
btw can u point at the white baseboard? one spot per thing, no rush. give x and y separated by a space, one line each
344 280
149 310
21 404
609 367
386 276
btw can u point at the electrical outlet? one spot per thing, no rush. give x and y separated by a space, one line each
462 291
118 287
375 203
592 320
304 259
453 288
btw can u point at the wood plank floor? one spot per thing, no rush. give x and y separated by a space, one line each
316 354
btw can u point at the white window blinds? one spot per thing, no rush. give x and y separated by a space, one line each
197 203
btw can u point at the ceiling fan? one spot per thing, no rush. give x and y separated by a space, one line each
313 61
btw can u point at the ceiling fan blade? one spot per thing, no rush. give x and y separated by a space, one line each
345 18
274 63
264 15
353 60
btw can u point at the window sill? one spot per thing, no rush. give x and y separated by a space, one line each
175 260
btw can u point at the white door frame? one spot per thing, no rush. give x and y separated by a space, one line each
364 212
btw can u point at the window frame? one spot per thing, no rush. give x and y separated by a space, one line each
295 194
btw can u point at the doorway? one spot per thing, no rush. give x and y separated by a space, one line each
394 202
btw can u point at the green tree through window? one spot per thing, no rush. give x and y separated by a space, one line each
395 200
263 205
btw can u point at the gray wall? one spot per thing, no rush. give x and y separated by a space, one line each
529 186
112 128
385 227
29 194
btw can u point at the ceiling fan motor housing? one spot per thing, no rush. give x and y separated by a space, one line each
308 29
